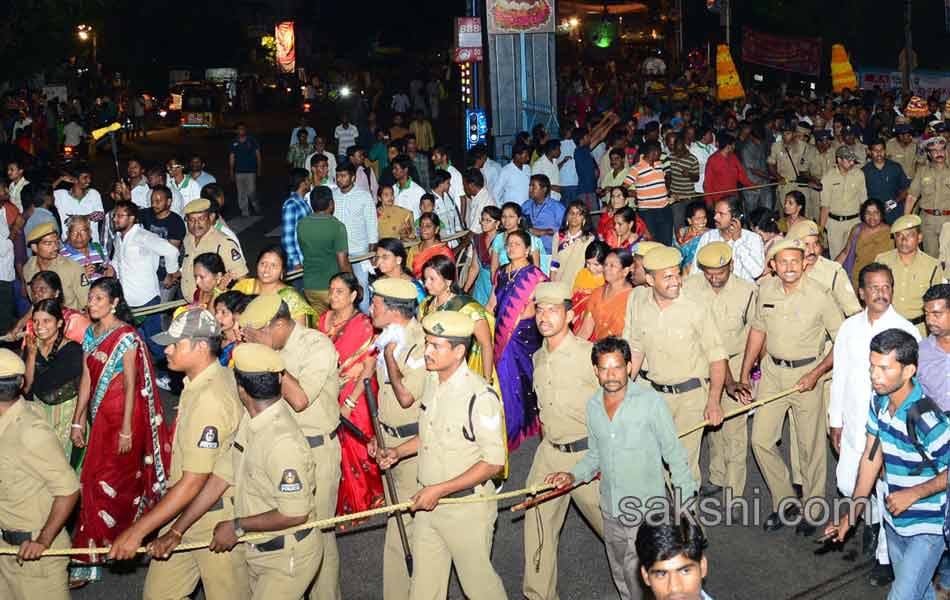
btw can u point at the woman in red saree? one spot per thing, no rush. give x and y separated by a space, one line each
361 485
128 450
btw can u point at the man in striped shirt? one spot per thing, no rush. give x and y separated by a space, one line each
915 476
653 200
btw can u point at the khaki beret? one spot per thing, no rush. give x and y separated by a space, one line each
41 231
261 311
802 229
257 358
395 288
552 292
714 255
448 323
905 222
643 247
10 364
784 245
197 206
662 258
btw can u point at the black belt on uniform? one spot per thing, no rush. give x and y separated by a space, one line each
793 364
845 217
278 542
15 538
575 446
403 431
319 440
461 493
917 320
678 388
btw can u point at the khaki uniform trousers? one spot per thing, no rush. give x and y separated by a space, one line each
838 234
687 410
930 226
809 435
395 576
45 578
824 386
459 535
729 444
327 459
285 574
223 575
542 525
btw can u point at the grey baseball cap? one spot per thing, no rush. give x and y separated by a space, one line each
193 323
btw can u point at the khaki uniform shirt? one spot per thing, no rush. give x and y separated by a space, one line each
732 308
843 194
931 187
911 281
270 465
412 366
822 163
209 413
33 469
795 323
564 381
680 341
73 277
906 156
832 276
312 359
460 424
790 161
394 221
218 243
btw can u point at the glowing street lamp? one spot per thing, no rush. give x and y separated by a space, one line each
86 33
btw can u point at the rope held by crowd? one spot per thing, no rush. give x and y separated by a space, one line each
320 524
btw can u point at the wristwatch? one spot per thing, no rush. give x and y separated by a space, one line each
238 530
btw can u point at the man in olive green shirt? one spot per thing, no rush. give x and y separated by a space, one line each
323 243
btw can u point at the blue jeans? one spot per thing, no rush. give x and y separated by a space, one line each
914 559
151 325
568 195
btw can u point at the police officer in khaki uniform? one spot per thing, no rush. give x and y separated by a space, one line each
401 374
461 447
731 300
311 386
903 149
789 160
850 138
637 273
792 317
44 241
273 477
914 271
823 159
40 490
843 191
209 412
930 191
564 385
203 237
679 338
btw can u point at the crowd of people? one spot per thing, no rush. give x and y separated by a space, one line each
649 271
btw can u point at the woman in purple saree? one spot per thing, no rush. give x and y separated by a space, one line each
517 337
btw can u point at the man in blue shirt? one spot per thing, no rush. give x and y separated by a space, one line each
886 181
916 475
244 165
671 559
545 215
296 207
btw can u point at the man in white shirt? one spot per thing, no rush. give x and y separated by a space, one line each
183 183
136 259
512 184
138 191
851 385
73 133
320 147
477 197
445 205
440 158
7 276
702 149
345 135
568 172
547 164
15 174
302 124
490 168
356 209
196 167
156 176
408 192
400 103
80 199
748 251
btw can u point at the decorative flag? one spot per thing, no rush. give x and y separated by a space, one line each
284 42
917 108
728 85
842 74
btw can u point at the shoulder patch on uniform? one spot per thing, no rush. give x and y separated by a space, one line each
235 255
209 438
83 280
289 481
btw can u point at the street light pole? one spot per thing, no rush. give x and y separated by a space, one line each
908 50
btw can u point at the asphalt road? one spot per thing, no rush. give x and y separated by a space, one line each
745 563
